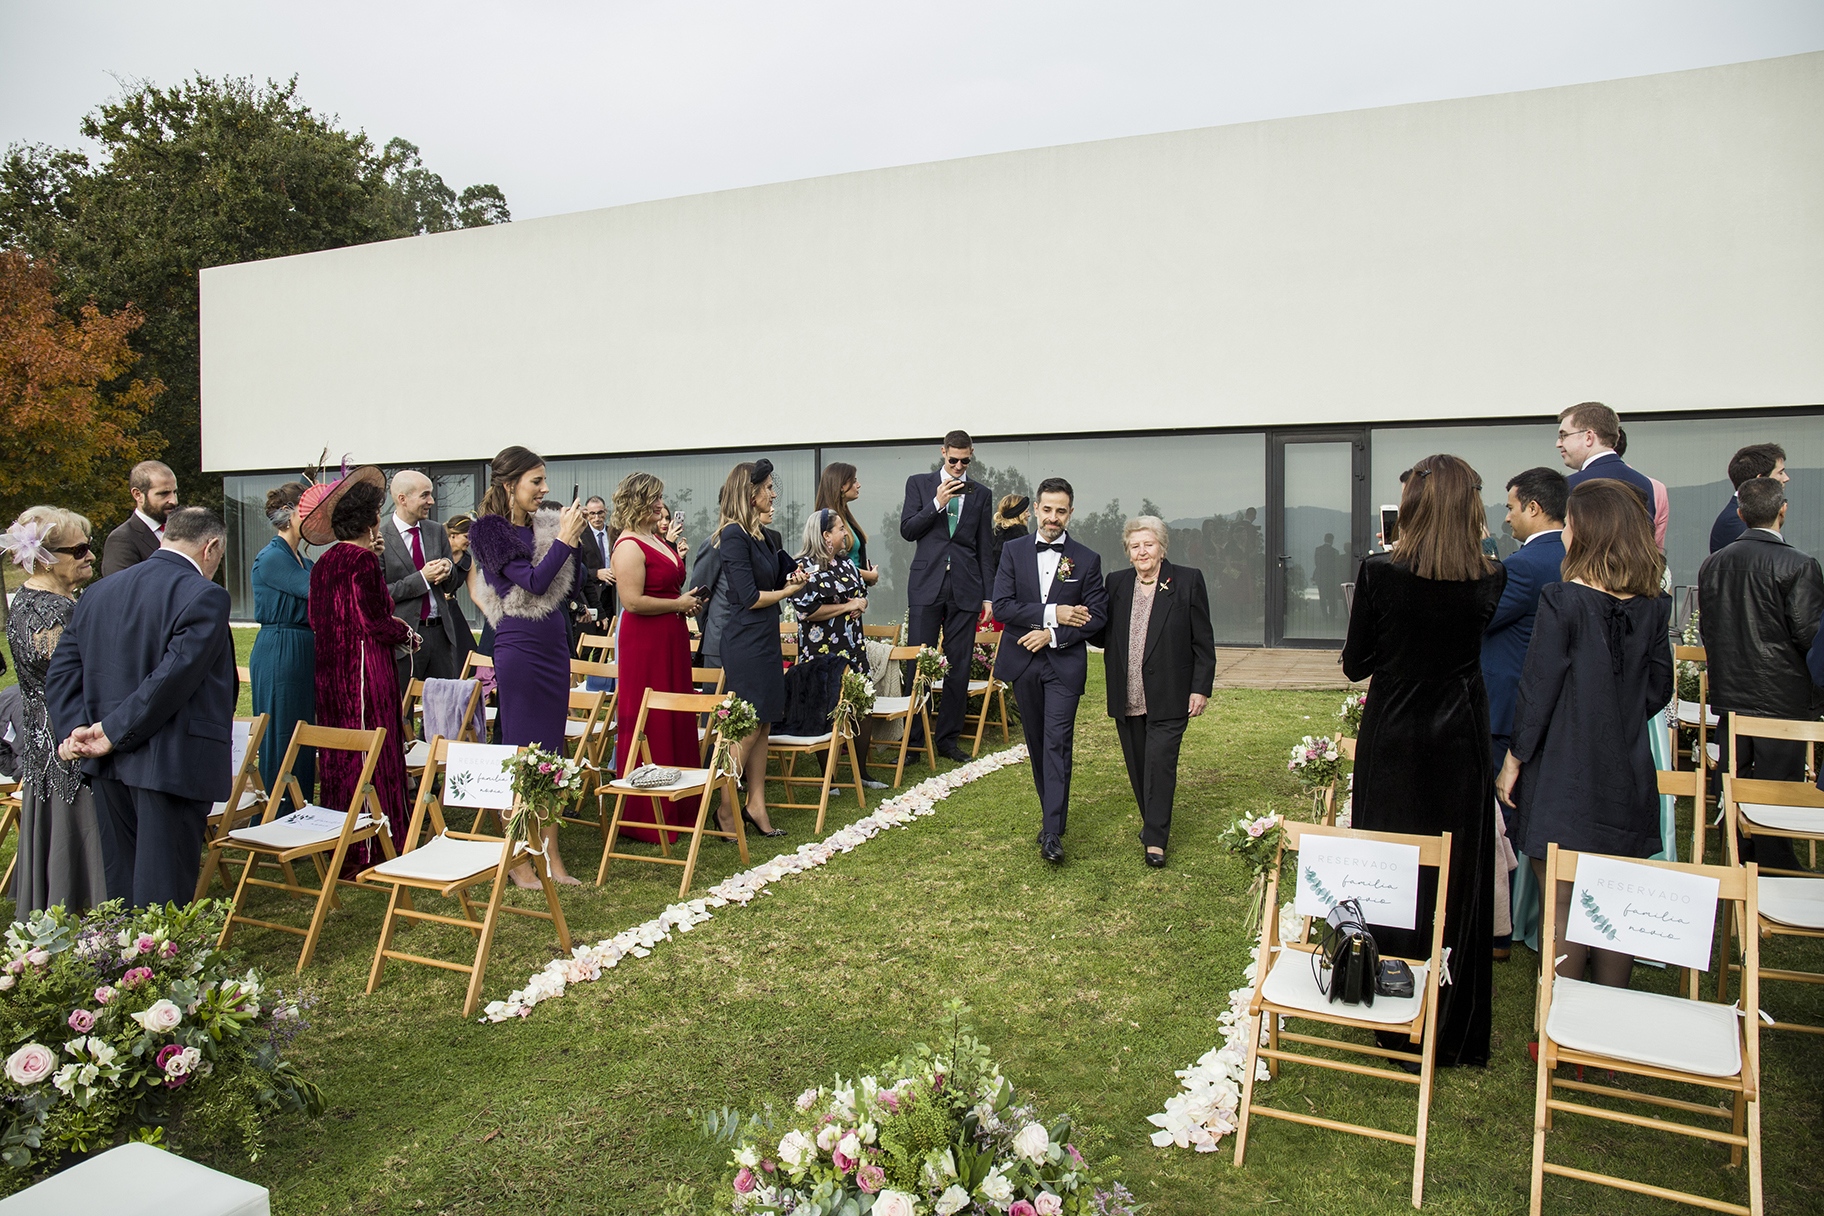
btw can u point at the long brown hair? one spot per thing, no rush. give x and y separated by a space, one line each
733 487
508 467
1611 544
1441 521
830 486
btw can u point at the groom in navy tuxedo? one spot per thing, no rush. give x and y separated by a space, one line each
1048 594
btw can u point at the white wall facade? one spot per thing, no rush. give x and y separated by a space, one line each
1656 243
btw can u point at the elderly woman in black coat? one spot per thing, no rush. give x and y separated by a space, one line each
1160 654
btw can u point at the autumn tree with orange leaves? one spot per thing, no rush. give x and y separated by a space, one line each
69 431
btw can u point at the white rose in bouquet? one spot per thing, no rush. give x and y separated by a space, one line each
748 1156
895 1203
1032 1143
951 1201
828 1135
996 1189
30 1064
160 1017
797 1150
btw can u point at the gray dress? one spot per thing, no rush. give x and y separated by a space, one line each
59 859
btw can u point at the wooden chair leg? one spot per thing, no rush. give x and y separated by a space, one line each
543 870
696 839
325 899
486 942
386 940
1418 1152
930 740
614 832
1247 1084
905 745
234 907
1006 730
468 910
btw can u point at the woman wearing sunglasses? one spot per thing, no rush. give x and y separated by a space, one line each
59 835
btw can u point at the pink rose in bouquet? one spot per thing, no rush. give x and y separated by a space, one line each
82 1021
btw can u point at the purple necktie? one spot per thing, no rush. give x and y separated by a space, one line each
424 609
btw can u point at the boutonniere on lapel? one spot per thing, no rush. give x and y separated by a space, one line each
1066 568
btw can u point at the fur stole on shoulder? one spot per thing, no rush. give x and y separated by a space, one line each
495 542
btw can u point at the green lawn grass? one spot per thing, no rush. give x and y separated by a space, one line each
1093 982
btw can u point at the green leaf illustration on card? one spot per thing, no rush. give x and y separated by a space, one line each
1594 911
1318 888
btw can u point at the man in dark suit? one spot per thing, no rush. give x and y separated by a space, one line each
948 590
421 574
598 546
1587 435
142 689
1755 460
1176 667
1759 602
1049 595
1535 511
154 489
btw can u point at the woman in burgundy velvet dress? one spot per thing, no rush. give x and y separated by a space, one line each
351 614
654 646
525 566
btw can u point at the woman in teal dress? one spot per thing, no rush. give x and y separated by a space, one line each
284 660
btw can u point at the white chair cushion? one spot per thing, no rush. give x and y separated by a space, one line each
889 707
689 778
573 727
446 860
1798 902
1646 1028
418 754
248 798
1714 752
1687 714
1291 984
139 1180
799 740
1783 818
976 686
298 830
493 712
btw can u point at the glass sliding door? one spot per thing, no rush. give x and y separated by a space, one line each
1317 521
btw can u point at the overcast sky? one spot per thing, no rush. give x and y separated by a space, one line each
570 106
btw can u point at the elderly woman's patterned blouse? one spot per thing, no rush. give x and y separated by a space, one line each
836 583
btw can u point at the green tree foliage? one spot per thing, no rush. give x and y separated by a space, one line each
207 173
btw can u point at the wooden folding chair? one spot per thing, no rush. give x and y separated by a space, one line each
906 710
311 831
1650 1035
1791 902
882 633
1705 756
244 676
472 665
448 865
1684 783
11 804
718 680
698 781
587 730
595 647
411 717
991 691
244 795
1287 988
833 746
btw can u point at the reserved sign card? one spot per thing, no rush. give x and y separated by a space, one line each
1382 877
1645 911
474 776
243 733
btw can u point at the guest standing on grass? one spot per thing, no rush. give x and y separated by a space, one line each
1422 758
351 614
839 486
756 575
154 489
59 857
653 644
830 608
526 560
1159 652
1580 772
283 665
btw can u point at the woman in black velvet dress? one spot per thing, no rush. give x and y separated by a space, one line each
1422 762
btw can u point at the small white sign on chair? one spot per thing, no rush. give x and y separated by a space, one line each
473 776
1665 915
243 734
1381 876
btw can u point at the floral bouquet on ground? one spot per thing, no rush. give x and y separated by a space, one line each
544 783
121 1026
1351 713
1255 841
932 1133
856 702
733 720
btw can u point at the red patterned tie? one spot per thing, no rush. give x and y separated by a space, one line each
424 607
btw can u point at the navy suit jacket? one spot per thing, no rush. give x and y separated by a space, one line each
1728 527
970 553
1019 607
148 654
1610 465
1508 634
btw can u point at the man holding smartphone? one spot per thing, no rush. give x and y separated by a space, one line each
952 578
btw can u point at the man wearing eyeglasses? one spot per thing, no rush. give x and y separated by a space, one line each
952 578
1588 434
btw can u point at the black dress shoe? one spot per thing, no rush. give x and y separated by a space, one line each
951 751
756 826
1155 860
1051 848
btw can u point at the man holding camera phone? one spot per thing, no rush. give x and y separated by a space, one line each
951 583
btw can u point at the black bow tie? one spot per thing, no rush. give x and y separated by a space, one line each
1042 547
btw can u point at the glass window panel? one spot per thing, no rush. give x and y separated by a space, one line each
1496 452
244 512
1319 511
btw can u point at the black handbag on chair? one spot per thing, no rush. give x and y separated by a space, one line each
1347 961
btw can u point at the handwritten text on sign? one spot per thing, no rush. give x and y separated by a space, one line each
474 776
1645 911
1382 877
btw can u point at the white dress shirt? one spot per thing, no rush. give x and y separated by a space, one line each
1048 570
157 526
188 558
1542 532
405 534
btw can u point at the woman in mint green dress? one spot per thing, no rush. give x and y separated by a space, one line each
284 660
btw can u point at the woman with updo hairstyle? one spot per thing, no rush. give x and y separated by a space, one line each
357 682
1422 760
283 665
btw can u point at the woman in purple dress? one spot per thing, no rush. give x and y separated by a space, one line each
525 566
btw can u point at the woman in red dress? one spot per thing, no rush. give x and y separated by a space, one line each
653 646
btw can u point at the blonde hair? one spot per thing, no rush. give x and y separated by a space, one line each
740 508
1147 523
61 527
634 499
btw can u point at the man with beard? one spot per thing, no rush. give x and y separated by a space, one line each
154 489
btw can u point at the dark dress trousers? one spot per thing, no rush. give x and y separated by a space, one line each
1422 767
128 545
1179 659
149 656
1613 467
950 579
1599 668
1728 527
1047 684
439 658
1530 569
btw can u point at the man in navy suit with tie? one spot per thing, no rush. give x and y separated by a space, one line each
1049 595
947 516
1755 460
1588 434
142 689
1535 510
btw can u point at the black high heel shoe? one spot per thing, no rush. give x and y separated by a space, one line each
755 825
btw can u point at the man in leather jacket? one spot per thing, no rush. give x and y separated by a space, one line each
1759 602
